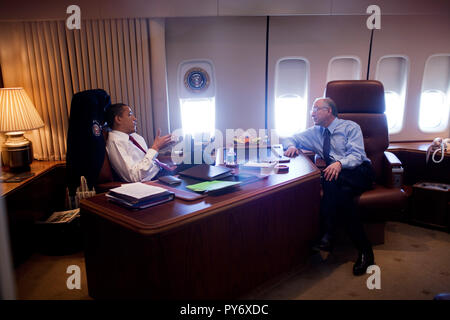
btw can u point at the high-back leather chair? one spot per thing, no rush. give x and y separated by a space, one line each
86 148
362 101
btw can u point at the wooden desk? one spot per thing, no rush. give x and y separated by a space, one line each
218 247
39 168
428 208
30 200
413 158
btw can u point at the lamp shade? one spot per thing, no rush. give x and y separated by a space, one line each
17 112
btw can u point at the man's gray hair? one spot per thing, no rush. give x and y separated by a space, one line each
330 103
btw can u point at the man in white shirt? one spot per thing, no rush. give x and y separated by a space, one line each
127 151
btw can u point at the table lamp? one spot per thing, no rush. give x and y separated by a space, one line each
17 114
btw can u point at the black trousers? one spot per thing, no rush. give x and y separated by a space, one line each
338 202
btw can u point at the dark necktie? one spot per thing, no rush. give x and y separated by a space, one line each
160 164
326 146
132 139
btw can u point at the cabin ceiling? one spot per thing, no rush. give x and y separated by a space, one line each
51 10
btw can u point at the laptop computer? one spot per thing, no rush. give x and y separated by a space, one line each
206 172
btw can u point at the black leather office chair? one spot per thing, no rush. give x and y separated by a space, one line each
362 101
86 147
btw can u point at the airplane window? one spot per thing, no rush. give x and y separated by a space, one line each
344 68
290 114
392 71
198 116
196 94
394 111
435 96
433 111
291 91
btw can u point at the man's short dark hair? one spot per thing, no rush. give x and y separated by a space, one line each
113 111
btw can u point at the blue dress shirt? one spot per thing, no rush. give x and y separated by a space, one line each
346 140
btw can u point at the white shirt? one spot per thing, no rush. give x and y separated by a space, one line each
127 160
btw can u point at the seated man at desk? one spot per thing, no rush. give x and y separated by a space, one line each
348 173
128 153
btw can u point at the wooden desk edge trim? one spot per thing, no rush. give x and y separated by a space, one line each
409 146
405 149
129 223
25 182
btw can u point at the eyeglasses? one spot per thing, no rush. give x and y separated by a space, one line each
315 109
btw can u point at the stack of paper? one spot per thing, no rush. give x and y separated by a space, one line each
139 195
62 216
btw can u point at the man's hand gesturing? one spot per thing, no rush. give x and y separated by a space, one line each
161 142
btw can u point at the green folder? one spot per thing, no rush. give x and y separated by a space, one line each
214 185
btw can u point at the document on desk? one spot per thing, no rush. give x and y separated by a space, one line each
141 204
214 185
139 195
258 165
137 191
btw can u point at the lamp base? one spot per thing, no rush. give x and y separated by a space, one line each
17 152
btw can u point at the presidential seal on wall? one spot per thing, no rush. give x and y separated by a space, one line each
196 79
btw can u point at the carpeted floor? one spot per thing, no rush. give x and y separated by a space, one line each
414 264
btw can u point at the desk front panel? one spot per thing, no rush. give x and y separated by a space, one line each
231 244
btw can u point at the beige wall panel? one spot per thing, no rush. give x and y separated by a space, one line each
158 8
428 35
51 9
317 39
392 7
270 7
236 47
47 9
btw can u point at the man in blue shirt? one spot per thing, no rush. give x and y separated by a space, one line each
339 147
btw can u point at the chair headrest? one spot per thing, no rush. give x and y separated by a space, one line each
357 96
94 98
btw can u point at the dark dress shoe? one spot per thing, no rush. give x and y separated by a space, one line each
323 245
365 259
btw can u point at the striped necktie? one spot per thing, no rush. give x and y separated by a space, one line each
326 146
132 139
159 163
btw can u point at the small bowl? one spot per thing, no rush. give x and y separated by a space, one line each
281 168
